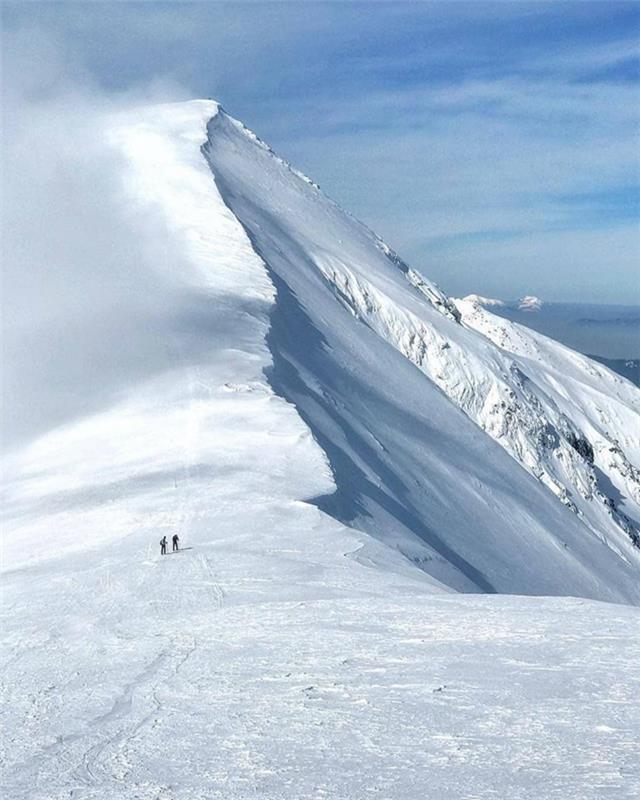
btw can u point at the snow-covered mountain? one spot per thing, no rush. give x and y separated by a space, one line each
581 449
344 450
530 303
484 301
527 303
427 418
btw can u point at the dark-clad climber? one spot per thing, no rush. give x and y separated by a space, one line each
163 546
175 541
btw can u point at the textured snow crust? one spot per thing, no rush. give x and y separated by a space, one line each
241 669
322 457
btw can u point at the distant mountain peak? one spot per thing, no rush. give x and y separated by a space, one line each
530 303
483 301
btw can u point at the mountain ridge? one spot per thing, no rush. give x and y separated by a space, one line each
327 306
363 301
347 617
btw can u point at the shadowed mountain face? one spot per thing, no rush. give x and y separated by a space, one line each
375 360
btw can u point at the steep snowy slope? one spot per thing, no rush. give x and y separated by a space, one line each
297 298
315 436
204 444
395 430
603 406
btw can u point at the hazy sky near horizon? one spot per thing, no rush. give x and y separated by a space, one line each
493 145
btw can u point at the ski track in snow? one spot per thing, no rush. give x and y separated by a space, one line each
311 644
402 696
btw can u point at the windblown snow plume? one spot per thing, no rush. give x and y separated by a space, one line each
342 449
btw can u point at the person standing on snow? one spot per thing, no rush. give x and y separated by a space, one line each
163 546
175 541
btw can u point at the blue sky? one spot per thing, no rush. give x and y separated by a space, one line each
494 145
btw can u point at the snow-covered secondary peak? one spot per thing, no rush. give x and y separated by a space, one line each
530 303
478 299
342 449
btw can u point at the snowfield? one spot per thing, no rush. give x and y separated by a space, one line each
368 479
232 672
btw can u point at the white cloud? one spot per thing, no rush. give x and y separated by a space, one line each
84 304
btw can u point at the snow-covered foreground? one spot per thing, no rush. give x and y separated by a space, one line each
237 670
349 457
